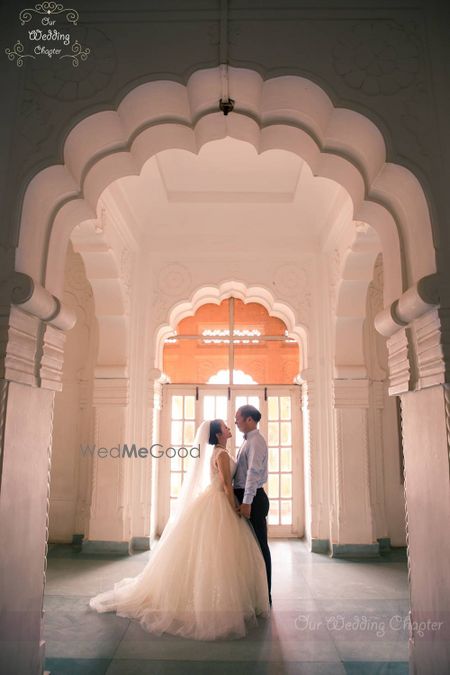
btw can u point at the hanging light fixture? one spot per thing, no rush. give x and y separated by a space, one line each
226 104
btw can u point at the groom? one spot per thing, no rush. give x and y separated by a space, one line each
250 476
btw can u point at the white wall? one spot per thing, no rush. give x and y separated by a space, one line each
71 472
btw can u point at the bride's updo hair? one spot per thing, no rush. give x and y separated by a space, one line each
214 429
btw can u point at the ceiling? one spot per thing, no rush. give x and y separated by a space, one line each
228 190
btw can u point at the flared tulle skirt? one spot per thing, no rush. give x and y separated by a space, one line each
205 580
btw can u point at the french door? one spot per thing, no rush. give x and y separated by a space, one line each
186 406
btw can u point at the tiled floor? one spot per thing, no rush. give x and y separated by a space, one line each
329 617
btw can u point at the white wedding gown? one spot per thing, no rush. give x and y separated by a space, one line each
206 580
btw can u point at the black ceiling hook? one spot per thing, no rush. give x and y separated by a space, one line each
226 106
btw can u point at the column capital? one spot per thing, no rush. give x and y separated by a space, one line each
112 391
428 336
414 302
417 329
32 333
399 362
34 299
19 334
33 357
351 393
52 359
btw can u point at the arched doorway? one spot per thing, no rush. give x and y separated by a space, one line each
225 356
287 113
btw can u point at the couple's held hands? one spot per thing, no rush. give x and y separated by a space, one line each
244 510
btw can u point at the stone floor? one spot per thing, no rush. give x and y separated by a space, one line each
329 617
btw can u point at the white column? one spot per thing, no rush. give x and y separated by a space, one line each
31 359
353 530
155 382
141 481
109 522
377 474
418 331
316 514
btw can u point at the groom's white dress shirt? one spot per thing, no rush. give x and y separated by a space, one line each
251 470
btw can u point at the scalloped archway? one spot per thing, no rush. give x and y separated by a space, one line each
287 112
355 276
227 289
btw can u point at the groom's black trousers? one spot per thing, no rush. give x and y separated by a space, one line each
258 519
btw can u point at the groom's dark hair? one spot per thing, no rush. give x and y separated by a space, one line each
214 429
250 411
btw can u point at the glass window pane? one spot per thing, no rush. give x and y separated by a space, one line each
273 407
274 490
195 361
286 512
221 408
286 485
175 483
176 436
254 400
177 407
274 464
189 433
286 459
274 513
172 505
273 436
239 439
286 433
240 400
285 407
175 463
209 408
189 407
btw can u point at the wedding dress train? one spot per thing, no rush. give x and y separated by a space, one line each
205 580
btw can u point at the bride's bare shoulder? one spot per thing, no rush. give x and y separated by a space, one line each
220 455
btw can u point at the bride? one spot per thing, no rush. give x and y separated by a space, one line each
206 578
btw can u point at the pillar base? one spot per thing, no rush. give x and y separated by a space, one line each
385 544
319 546
140 543
42 657
355 550
108 547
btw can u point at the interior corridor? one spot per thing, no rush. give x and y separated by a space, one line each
330 617
205 202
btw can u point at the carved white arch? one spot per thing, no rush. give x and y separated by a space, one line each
215 294
355 277
104 275
287 112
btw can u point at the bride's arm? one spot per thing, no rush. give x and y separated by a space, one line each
223 462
